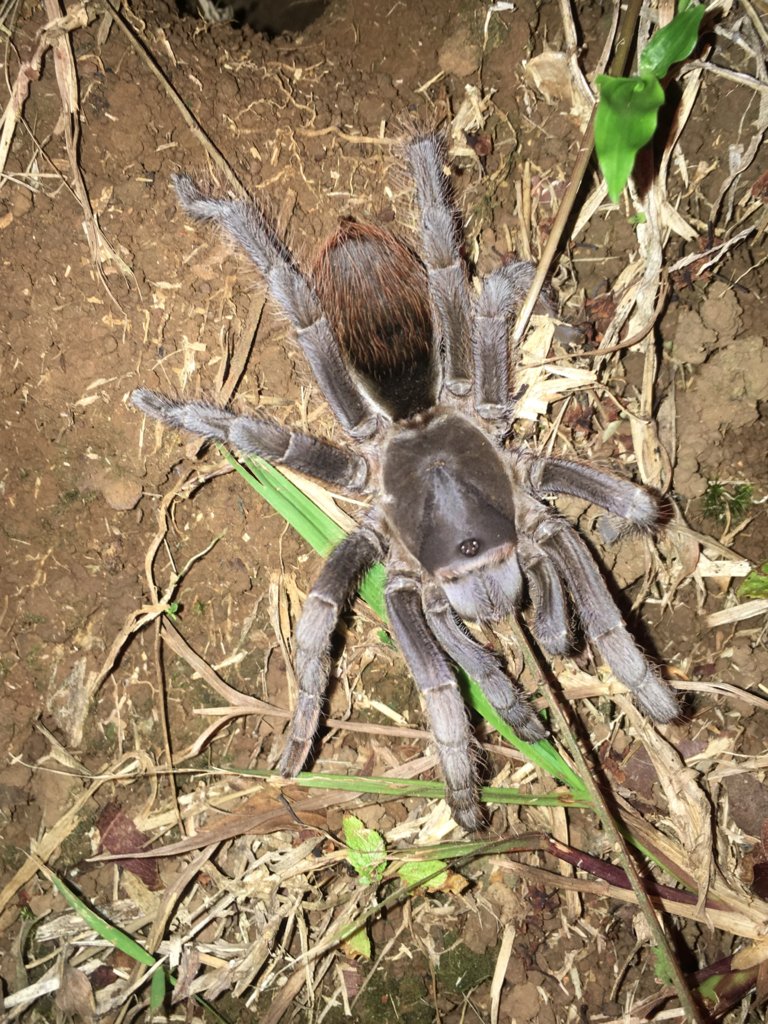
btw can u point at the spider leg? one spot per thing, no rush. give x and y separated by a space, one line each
332 590
483 666
245 223
502 293
551 620
259 435
444 704
602 621
448 288
636 504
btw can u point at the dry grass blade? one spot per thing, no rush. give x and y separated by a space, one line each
713 917
142 617
76 17
689 809
622 834
749 610
55 36
577 175
500 970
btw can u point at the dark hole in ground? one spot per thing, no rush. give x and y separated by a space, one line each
272 17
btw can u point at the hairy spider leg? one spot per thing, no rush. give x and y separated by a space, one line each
244 222
482 665
441 240
573 563
502 293
333 589
602 621
446 711
635 504
551 625
261 436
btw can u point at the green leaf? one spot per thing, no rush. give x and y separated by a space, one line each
366 850
157 990
432 874
755 585
625 121
358 944
114 936
672 43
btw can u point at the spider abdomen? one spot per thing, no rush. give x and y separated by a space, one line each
374 290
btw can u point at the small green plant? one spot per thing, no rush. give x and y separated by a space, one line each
727 504
366 850
367 855
628 110
755 585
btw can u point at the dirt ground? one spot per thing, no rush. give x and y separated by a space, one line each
108 520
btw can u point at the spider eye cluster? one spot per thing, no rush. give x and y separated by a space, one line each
469 547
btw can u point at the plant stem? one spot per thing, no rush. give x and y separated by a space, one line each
584 155
614 830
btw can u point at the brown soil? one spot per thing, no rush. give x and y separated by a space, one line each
83 480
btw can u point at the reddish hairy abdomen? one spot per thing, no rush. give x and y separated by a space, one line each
373 289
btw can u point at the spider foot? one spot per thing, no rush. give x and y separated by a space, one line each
656 699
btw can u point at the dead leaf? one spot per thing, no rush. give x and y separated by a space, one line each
120 835
74 997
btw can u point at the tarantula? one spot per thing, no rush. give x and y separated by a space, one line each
417 371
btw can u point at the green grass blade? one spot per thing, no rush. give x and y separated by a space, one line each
372 590
426 789
542 753
111 934
291 503
307 519
157 990
117 938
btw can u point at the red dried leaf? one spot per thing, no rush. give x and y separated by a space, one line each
120 835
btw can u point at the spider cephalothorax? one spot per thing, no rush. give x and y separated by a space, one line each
418 373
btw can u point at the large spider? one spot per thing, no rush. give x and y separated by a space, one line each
417 372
